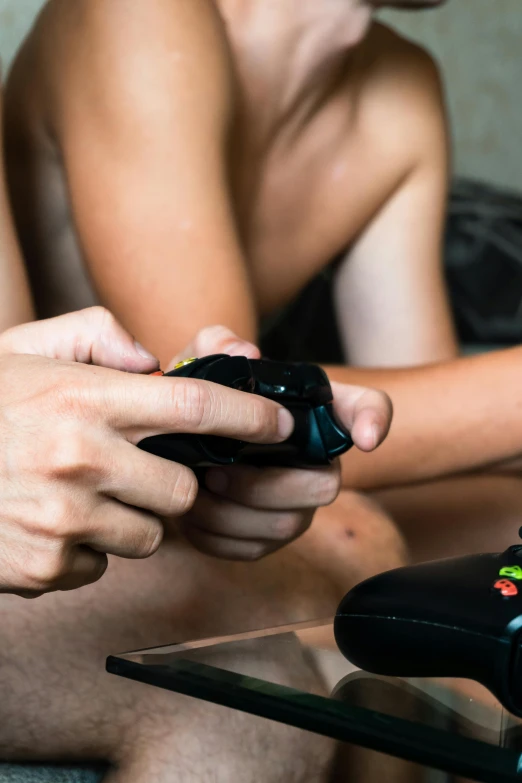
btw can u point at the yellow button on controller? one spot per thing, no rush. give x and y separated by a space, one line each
185 362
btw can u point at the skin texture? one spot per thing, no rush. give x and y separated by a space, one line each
212 226
15 300
189 162
74 487
230 180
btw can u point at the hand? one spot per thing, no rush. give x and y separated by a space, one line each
73 485
246 513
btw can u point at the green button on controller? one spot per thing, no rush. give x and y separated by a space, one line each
512 572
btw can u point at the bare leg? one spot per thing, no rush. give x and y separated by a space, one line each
457 516
58 703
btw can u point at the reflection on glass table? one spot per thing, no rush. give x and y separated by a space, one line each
447 729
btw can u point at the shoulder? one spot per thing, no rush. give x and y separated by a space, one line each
124 46
395 68
401 91
125 20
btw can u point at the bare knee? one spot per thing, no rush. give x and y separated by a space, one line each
354 539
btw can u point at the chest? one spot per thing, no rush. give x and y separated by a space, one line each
303 202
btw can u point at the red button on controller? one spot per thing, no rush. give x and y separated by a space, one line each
507 588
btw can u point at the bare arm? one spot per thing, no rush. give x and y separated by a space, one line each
145 146
452 417
449 416
15 299
390 292
144 115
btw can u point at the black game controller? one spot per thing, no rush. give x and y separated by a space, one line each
460 617
304 389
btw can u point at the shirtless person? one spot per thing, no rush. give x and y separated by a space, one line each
72 404
188 162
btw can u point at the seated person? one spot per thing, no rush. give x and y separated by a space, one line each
189 162
75 489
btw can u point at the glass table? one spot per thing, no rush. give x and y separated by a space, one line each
450 730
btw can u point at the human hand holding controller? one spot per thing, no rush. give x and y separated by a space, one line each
73 486
243 512
317 439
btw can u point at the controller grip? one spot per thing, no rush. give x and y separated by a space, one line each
318 438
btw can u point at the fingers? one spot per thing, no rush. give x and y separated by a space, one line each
276 488
216 339
227 530
226 518
138 479
84 567
116 529
91 336
366 412
147 406
226 548
47 567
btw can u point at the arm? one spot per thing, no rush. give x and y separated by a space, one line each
74 488
144 114
15 299
452 417
390 292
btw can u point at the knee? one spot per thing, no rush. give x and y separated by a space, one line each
357 539
364 522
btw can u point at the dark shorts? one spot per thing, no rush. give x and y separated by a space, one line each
306 330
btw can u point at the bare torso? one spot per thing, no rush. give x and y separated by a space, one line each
299 199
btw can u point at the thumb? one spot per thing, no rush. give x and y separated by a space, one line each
216 339
91 336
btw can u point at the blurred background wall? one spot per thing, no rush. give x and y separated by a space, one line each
478 44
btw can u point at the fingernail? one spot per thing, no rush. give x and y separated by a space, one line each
143 352
238 348
217 481
286 423
376 433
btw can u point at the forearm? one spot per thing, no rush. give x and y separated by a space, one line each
452 417
15 299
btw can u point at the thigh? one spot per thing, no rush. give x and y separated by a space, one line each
457 516
58 702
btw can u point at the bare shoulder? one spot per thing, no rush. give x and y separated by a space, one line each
401 91
87 42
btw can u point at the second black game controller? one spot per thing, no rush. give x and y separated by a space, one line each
318 437
460 617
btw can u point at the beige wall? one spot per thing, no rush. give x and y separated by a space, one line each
16 16
479 45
